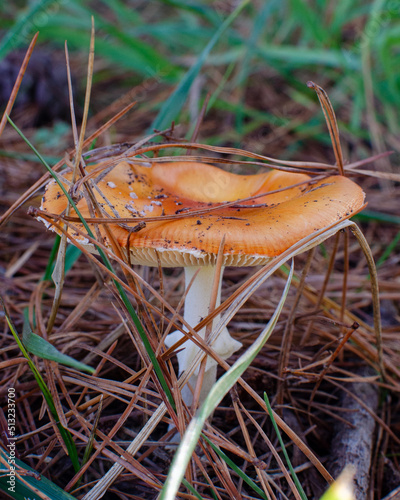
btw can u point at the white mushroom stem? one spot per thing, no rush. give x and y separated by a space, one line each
197 305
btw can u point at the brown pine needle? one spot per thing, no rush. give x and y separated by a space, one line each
331 122
17 83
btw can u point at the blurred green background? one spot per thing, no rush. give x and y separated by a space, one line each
255 69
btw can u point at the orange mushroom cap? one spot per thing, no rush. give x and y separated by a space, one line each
253 234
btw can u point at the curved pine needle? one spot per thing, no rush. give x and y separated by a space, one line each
375 292
331 122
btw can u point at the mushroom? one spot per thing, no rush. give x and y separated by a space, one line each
255 231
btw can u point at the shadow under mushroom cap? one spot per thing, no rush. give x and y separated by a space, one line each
253 235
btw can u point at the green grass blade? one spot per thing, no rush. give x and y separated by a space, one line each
125 13
65 434
292 471
175 102
218 90
341 15
302 56
118 43
206 11
191 489
121 291
53 255
245 67
218 391
40 347
22 30
131 57
237 469
310 21
71 256
91 440
389 249
35 482
369 215
260 22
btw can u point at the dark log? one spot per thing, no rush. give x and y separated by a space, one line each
352 444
